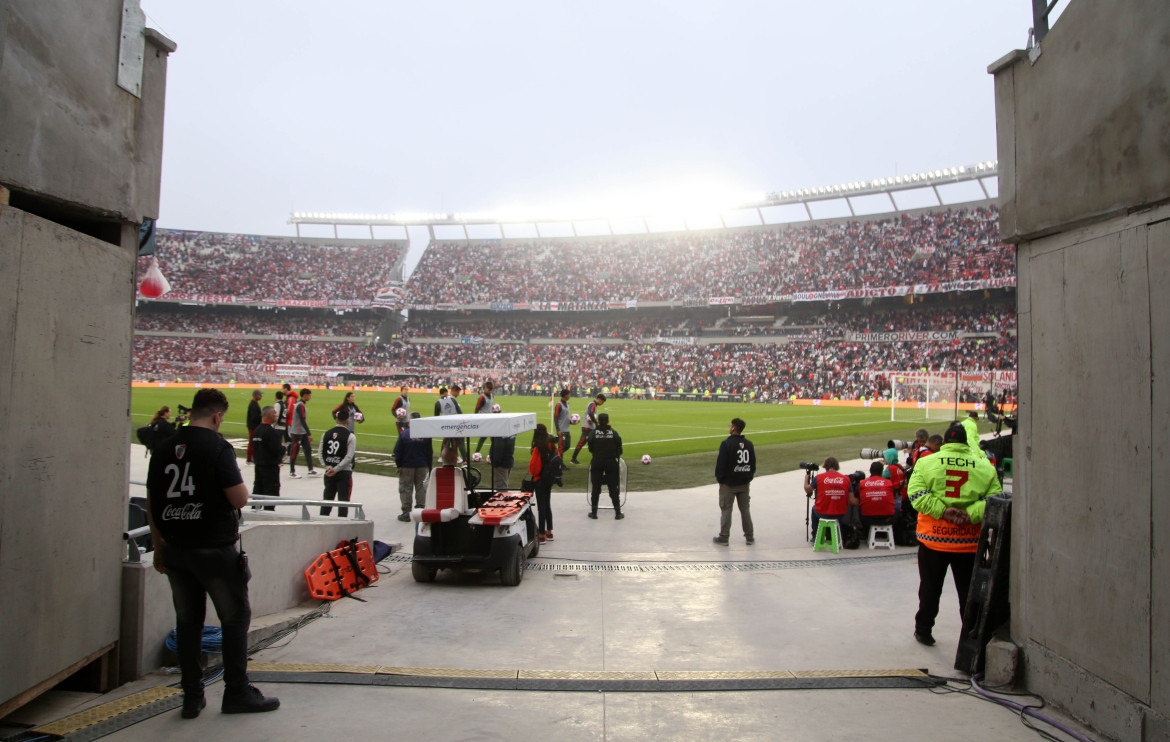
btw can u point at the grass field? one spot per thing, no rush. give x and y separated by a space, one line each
681 437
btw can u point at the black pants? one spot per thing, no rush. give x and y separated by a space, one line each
586 436
566 442
267 481
604 472
932 571
544 506
300 441
340 487
221 573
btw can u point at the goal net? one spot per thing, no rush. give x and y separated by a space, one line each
922 397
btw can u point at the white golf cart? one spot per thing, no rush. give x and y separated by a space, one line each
462 525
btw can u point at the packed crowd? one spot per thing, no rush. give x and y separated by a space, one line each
816 368
920 249
253 322
999 317
255 267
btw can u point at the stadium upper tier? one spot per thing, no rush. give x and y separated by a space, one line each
915 254
212 266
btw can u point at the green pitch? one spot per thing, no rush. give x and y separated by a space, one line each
682 438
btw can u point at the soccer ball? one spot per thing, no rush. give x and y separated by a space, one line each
477 457
400 413
358 417
646 459
574 419
495 408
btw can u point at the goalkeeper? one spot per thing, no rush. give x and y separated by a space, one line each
948 490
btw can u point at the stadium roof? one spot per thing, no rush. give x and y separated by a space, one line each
870 196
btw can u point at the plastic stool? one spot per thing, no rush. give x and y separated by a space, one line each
1007 468
832 529
888 542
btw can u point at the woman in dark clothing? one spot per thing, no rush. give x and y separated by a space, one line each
542 448
161 426
355 412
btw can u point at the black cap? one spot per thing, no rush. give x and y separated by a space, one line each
955 434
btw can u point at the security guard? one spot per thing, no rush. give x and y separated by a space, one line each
606 448
194 493
948 490
338 447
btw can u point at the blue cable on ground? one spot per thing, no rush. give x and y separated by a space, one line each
212 643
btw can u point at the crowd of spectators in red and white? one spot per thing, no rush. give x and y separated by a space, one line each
815 368
928 248
254 267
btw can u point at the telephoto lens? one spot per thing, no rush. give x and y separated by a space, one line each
809 467
872 453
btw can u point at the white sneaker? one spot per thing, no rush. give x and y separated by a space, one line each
294 475
314 473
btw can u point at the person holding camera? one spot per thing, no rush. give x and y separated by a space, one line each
832 489
734 470
194 493
948 490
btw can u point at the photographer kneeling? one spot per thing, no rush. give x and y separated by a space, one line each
832 489
875 498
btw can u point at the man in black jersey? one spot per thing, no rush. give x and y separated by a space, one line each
267 450
194 494
338 446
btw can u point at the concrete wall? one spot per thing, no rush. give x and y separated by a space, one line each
79 167
70 134
1084 153
278 553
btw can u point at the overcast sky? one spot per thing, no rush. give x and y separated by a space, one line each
381 106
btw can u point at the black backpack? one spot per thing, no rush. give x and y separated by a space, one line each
553 468
146 436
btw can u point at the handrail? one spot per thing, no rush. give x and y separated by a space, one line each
135 554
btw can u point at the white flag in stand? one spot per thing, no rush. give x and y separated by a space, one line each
154 284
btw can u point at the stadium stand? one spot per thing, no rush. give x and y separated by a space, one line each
629 320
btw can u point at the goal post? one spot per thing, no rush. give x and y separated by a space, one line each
917 396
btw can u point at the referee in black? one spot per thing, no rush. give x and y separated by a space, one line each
194 491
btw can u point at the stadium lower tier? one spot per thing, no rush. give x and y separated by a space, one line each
811 368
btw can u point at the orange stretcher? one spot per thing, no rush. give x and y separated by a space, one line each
339 573
501 505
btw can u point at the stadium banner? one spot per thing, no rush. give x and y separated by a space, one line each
501 306
757 301
205 298
630 304
693 302
545 306
900 337
720 300
350 302
917 289
675 341
582 306
421 307
468 340
392 295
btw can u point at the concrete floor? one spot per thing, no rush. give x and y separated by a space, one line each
801 611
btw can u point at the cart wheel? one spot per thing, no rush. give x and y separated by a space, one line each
423 573
513 570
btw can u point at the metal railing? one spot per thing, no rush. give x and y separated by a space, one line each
135 552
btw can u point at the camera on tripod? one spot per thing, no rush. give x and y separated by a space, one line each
810 468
